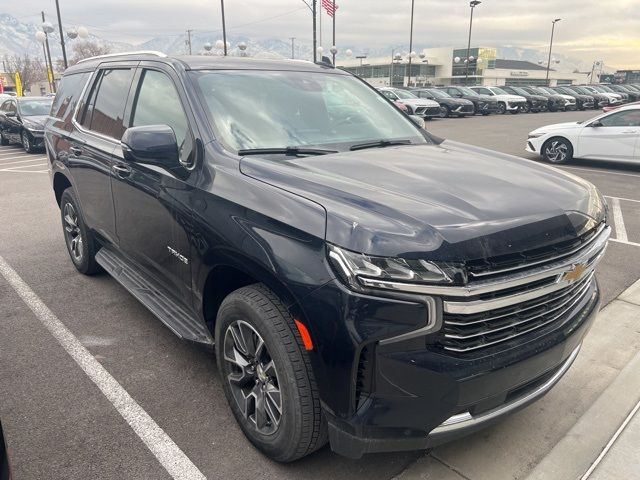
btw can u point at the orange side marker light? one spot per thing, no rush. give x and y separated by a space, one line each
304 333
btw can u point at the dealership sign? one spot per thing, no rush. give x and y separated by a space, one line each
519 73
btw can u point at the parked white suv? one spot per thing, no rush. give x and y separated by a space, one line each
506 101
614 98
422 107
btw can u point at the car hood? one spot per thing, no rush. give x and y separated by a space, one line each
444 202
419 102
456 101
511 98
37 120
559 126
538 98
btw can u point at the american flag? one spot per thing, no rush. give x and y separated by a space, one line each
328 6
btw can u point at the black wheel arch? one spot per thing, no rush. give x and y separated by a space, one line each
60 183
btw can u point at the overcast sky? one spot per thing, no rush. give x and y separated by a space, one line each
589 30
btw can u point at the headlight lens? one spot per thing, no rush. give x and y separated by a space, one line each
351 265
536 134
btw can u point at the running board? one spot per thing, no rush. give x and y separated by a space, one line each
181 322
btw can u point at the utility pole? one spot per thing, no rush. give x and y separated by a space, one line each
224 28
64 50
553 26
473 4
189 40
52 80
410 44
293 39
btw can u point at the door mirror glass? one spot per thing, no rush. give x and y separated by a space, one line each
597 123
10 113
151 144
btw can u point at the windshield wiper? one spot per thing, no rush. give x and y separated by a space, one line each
379 144
285 151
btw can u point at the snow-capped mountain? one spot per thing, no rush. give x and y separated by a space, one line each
17 38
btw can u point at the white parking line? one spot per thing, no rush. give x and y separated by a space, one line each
36 159
604 172
621 231
634 244
625 199
175 462
17 157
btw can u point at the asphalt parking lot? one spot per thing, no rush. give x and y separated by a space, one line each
60 425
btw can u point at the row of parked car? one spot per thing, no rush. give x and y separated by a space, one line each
459 101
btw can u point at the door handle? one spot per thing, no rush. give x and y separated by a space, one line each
76 151
121 170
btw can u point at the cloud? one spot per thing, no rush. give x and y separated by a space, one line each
589 30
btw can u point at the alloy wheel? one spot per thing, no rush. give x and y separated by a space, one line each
556 151
72 232
25 142
253 377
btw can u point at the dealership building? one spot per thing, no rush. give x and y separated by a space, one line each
447 66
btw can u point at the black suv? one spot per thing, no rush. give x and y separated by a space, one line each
483 104
362 281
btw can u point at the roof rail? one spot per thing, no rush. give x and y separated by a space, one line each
138 52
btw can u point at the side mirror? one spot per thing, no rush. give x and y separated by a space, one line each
151 144
597 123
10 114
417 120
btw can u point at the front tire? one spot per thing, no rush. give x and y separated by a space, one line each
3 141
444 111
502 108
27 144
557 150
526 108
80 242
267 376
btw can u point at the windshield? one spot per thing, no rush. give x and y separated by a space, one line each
438 93
467 91
538 90
499 91
519 91
548 90
582 90
31 108
253 109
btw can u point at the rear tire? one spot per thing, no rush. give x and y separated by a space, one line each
252 374
557 150
79 240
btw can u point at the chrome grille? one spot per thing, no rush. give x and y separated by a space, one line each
522 301
463 333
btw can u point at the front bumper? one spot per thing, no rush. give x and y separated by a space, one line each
36 137
424 398
515 106
487 107
428 112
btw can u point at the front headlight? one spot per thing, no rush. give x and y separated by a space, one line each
353 267
536 134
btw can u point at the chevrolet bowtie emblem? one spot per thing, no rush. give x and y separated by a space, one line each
575 273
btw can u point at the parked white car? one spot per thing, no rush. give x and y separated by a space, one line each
422 107
610 136
614 98
506 101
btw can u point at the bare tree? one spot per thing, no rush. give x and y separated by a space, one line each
31 70
86 49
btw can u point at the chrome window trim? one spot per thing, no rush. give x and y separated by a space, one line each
465 420
493 285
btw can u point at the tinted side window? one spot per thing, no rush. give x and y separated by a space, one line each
69 92
157 103
111 98
5 106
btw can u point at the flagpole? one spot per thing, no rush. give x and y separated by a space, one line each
315 59
320 27
334 32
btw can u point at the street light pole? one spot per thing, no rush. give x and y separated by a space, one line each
553 26
52 81
473 4
410 43
64 50
315 41
293 39
224 28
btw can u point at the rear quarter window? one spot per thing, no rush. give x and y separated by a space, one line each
69 92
